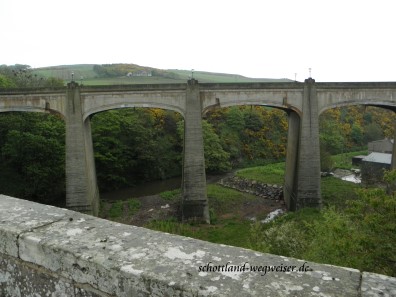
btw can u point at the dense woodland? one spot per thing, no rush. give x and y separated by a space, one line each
136 145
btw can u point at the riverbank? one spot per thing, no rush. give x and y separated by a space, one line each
224 203
155 187
356 228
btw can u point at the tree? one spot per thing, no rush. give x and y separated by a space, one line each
23 76
326 162
32 152
235 119
357 134
216 158
135 145
373 132
5 82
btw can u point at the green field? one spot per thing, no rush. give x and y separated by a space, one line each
85 74
65 71
271 173
344 160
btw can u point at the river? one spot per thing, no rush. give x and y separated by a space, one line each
153 187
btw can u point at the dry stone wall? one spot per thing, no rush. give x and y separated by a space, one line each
269 191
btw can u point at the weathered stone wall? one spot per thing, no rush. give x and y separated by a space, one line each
48 251
269 191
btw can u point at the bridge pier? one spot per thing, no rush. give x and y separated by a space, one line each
393 161
308 169
81 186
195 201
290 186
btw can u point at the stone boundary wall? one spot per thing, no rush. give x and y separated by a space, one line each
269 191
49 251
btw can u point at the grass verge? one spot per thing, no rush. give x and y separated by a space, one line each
270 174
344 161
226 228
119 210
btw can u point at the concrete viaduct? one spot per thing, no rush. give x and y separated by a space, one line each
303 102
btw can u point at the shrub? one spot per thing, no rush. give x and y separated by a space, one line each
336 240
116 209
171 195
133 206
287 239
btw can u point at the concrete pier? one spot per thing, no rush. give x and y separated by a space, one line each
308 169
81 186
195 201
290 186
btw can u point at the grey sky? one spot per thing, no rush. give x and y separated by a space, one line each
341 40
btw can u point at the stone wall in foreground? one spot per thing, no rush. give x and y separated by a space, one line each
48 251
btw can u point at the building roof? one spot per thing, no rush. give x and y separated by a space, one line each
382 140
359 157
378 158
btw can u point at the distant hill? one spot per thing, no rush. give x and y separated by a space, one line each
111 74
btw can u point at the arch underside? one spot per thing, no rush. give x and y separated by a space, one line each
129 104
30 109
286 108
382 104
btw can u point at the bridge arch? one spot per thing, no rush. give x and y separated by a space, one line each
286 108
331 95
137 132
169 98
32 109
129 104
375 103
284 140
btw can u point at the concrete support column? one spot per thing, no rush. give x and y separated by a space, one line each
93 190
81 187
290 186
308 173
393 162
195 201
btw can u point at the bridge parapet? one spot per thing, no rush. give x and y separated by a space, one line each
33 102
280 95
49 251
171 99
331 95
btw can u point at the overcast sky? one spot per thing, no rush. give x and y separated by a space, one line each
340 40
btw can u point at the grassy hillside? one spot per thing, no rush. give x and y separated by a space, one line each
64 71
86 74
203 76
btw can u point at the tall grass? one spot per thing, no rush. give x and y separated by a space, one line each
344 161
271 173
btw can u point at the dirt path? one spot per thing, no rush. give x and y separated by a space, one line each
153 208
156 208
